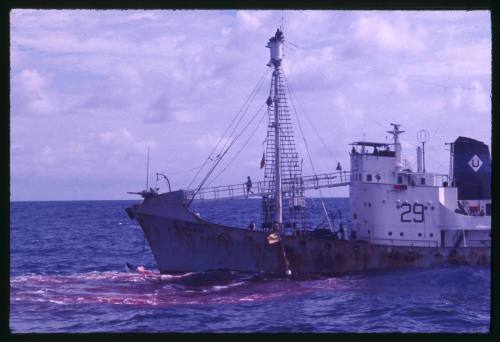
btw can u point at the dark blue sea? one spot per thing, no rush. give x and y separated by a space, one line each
67 274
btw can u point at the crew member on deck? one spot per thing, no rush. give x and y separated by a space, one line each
249 185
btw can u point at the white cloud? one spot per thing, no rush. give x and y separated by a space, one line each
106 76
340 103
76 148
206 142
481 101
184 116
401 84
31 93
393 35
124 140
456 98
48 155
251 20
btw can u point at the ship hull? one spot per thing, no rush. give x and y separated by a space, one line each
182 242
180 246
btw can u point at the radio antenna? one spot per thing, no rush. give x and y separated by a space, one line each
423 137
147 172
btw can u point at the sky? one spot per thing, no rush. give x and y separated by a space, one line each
92 89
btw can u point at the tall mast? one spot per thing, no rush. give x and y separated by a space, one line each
283 204
276 46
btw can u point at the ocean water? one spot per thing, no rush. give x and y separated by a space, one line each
67 274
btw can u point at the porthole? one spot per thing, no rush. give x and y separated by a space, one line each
355 216
426 207
368 231
369 204
390 233
419 234
431 235
397 207
432 208
401 234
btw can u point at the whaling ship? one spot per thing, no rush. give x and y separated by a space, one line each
399 217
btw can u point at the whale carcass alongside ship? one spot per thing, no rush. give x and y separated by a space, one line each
399 217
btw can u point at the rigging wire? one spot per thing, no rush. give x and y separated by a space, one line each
369 117
307 146
445 88
241 118
330 83
241 113
242 147
295 47
237 118
222 154
185 171
430 155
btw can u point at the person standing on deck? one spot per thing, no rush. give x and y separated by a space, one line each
249 185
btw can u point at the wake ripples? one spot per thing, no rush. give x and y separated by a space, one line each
154 289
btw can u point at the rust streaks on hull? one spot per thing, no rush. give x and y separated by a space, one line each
182 242
190 246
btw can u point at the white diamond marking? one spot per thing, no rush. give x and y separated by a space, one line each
475 163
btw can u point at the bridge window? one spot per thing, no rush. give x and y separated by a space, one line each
400 179
368 177
488 209
422 181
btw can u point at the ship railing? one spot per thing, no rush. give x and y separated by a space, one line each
438 179
479 243
265 188
404 242
327 180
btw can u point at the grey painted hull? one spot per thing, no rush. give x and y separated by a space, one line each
182 242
